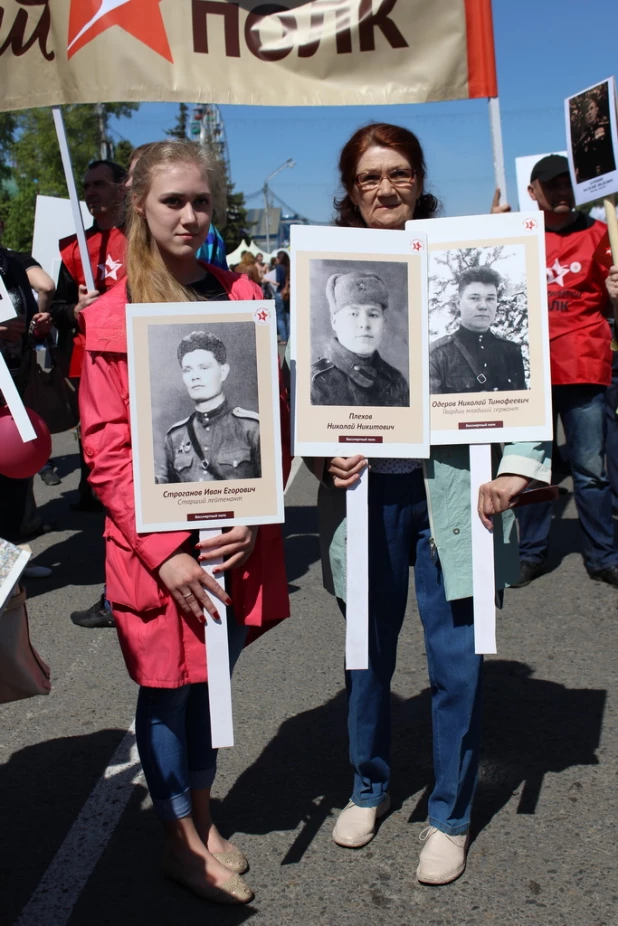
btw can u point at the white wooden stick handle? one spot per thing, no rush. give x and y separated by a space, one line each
357 575
218 663
77 213
483 576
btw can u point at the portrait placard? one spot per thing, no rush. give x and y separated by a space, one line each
489 372
359 342
592 141
204 403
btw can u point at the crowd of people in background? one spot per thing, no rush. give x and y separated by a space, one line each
137 254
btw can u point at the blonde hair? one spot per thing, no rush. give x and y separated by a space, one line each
148 278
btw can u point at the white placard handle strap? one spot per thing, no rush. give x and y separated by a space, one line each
357 575
218 662
75 207
483 574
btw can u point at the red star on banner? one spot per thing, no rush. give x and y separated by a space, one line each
140 18
262 316
416 245
530 224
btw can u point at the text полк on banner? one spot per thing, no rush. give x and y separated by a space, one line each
356 52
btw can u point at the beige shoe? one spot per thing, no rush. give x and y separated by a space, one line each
234 859
443 857
356 826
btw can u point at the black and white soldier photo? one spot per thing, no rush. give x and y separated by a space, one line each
591 133
217 439
478 321
359 333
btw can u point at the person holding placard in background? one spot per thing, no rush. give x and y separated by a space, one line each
157 587
578 260
104 194
382 172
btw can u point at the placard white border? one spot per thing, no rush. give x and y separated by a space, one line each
472 229
605 184
356 242
200 310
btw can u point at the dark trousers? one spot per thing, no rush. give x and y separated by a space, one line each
582 410
13 499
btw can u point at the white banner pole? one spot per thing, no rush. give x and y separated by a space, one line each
218 663
483 576
357 575
495 125
77 213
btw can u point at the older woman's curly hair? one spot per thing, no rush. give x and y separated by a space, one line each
384 135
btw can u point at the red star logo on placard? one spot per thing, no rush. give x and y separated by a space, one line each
530 224
140 18
416 245
261 316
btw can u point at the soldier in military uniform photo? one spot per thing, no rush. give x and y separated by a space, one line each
351 371
473 359
216 441
593 154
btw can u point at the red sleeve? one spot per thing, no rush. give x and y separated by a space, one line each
106 437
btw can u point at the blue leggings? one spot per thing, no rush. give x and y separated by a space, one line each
173 738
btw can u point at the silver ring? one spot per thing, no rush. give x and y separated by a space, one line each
188 595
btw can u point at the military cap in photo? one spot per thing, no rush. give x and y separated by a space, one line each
356 288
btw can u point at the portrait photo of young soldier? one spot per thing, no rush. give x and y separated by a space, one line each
217 440
473 357
591 134
352 326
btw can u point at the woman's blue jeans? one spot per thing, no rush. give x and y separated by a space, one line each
399 535
172 727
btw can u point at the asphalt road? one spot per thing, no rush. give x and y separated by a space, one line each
79 843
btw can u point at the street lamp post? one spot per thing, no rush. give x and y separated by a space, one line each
265 189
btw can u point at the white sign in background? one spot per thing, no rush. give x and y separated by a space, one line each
53 220
523 169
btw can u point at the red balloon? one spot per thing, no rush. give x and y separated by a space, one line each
19 460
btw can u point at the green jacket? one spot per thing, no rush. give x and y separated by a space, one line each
447 481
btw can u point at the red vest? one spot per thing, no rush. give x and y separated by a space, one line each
579 334
107 258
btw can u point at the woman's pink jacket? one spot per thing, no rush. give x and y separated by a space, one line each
161 648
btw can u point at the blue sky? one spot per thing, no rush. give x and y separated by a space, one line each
546 50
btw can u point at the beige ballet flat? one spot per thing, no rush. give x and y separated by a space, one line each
232 891
233 859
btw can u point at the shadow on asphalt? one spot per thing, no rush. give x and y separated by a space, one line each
302 547
42 790
531 727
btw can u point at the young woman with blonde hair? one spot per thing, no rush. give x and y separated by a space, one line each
155 582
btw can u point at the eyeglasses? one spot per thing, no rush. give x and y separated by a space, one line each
371 179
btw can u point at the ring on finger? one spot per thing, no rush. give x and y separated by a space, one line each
188 595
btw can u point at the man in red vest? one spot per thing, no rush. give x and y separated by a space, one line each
104 194
578 260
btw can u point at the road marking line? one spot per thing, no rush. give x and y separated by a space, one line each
59 888
297 462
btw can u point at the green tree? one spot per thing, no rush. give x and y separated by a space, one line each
182 122
236 225
123 152
37 166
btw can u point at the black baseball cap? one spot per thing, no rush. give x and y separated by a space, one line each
548 168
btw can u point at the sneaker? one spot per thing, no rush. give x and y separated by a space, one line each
50 477
98 615
527 572
609 575
443 857
356 826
